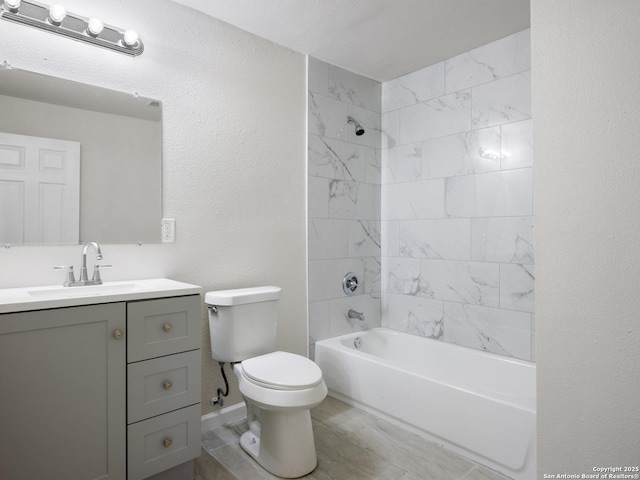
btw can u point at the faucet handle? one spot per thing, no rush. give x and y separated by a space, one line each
70 276
96 280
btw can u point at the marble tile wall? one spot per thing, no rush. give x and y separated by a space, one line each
432 207
457 202
343 200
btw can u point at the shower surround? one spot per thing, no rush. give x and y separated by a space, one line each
343 200
435 210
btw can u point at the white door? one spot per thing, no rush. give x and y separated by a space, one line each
39 190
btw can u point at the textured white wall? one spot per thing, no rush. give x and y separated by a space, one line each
234 110
586 98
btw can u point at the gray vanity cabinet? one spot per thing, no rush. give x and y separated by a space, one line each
62 393
107 391
163 376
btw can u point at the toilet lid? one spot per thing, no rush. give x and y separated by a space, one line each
282 371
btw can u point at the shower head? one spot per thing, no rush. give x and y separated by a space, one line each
359 129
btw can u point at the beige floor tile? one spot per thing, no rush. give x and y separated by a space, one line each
415 454
208 468
341 458
351 445
241 464
481 473
226 435
334 413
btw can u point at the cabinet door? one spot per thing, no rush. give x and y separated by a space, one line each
62 396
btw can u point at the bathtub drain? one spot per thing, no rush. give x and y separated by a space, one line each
357 342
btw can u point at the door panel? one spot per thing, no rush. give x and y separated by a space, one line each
40 189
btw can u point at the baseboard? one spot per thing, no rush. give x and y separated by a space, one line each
223 416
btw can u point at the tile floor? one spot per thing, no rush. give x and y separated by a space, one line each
351 444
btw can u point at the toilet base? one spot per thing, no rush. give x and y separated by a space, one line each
285 446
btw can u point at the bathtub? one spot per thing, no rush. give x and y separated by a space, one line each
477 404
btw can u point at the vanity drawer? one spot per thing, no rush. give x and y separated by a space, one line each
162 442
162 327
162 384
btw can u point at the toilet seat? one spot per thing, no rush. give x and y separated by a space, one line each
282 371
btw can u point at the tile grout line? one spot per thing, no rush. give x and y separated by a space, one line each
467 474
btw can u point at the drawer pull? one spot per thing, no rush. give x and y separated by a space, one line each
167 327
167 385
167 442
117 334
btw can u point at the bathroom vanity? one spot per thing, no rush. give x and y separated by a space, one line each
100 383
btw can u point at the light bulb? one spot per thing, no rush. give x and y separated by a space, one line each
94 27
130 38
57 13
12 5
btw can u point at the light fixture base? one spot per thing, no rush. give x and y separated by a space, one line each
72 26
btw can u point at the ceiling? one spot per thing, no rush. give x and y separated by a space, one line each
380 39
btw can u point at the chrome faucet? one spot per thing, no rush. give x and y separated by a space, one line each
70 281
84 279
357 315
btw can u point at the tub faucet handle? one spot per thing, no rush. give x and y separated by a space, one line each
350 283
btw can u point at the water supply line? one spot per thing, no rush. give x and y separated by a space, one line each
218 400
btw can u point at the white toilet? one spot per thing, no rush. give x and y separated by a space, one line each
279 388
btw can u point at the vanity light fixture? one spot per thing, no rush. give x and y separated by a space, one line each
56 19
94 27
12 5
130 38
56 14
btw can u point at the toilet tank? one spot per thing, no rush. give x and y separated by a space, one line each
242 322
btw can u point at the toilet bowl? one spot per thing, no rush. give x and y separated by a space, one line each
279 388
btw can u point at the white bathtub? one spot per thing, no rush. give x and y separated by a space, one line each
480 405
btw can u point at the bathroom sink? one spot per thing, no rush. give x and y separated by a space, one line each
111 288
57 296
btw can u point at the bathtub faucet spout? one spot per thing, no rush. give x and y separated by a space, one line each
357 315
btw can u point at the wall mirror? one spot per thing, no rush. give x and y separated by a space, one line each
77 163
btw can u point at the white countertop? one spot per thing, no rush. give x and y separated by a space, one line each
56 296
